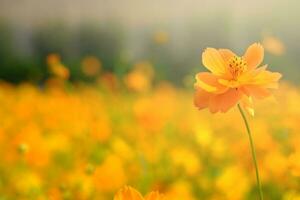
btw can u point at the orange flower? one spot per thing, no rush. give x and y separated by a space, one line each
233 79
56 67
91 66
129 193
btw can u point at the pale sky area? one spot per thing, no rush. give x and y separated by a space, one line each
141 12
191 24
280 17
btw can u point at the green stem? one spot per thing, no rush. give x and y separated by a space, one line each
253 152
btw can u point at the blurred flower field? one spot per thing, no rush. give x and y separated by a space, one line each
149 100
80 141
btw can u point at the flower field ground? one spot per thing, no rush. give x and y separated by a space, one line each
79 141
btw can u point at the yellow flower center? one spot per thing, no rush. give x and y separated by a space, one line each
236 66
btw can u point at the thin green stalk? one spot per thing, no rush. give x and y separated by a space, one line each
253 152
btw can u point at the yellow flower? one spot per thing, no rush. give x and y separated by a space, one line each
229 179
129 193
294 164
187 160
233 79
110 174
180 190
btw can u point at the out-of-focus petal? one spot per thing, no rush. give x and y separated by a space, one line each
209 83
154 196
128 193
223 102
273 45
247 104
254 55
213 61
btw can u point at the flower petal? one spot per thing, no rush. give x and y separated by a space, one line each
128 193
213 61
267 79
154 196
261 77
256 91
254 55
247 104
223 102
209 83
226 54
201 98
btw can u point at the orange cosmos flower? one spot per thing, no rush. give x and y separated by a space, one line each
129 193
233 79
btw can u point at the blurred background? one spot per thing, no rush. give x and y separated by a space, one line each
98 94
170 35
